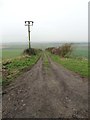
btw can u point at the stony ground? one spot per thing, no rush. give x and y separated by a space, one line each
48 90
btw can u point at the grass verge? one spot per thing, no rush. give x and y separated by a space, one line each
14 67
79 66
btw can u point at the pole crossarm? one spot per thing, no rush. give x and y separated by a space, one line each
29 23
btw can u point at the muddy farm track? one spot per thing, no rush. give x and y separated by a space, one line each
46 91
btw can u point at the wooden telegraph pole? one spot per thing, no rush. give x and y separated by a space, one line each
29 23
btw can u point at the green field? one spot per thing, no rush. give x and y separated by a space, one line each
80 51
11 53
12 50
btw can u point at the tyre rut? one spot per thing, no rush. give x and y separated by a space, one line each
46 91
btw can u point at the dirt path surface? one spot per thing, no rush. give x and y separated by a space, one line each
48 90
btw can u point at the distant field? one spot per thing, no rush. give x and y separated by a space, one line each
11 53
80 51
14 50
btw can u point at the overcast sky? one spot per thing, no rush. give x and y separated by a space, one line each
54 20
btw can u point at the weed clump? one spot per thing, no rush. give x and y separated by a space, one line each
66 49
30 51
63 51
